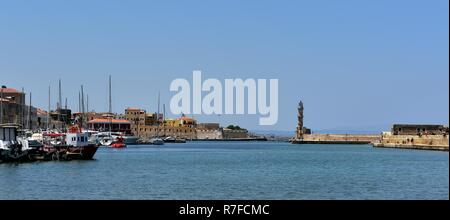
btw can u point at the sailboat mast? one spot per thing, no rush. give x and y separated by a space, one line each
59 95
29 115
23 108
110 96
82 106
79 102
164 119
110 105
159 99
1 105
48 112
87 103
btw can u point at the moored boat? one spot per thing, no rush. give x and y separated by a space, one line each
157 141
14 148
174 140
118 143
74 145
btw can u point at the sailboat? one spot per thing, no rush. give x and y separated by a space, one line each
157 140
112 141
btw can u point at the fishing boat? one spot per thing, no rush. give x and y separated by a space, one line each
69 146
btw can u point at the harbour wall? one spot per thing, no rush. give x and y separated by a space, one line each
338 139
423 142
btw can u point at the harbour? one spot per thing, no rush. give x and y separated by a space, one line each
405 136
234 170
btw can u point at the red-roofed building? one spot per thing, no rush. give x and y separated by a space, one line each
14 108
13 95
114 125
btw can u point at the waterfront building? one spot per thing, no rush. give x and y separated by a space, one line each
187 122
14 110
235 133
113 125
417 129
136 116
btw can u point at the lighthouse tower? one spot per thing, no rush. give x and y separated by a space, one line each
300 121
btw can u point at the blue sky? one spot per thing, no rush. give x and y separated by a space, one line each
355 64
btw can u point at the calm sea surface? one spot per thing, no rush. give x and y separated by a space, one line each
235 170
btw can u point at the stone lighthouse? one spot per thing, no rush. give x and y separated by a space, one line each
300 109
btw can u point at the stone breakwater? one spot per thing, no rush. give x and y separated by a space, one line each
337 139
422 142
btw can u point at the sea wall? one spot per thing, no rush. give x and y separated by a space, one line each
424 142
203 134
338 139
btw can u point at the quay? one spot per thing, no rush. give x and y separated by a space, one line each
406 136
234 139
336 139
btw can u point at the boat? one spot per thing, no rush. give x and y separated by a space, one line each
14 148
118 142
106 141
74 145
174 140
157 141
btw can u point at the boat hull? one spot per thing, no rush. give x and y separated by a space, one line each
71 153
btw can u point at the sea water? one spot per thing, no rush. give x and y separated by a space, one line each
235 170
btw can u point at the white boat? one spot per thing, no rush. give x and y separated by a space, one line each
106 141
12 147
157 141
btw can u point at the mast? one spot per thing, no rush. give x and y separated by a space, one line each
29 115
59 95
48 113
110 105
65 107
87 103
82 106
22 100
164 119
110 96
1 105
159 99
79 102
